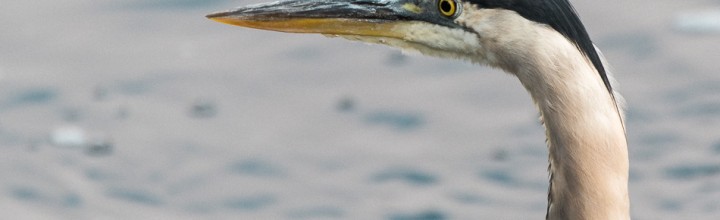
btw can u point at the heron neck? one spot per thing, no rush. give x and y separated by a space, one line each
585 133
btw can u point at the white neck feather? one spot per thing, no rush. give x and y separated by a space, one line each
585 132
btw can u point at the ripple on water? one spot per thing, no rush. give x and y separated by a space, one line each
255 167
659 139
470 198
402 121
409 176
500 176
249 203
25 193
98 174
135 195
30 96
422 215
30 194
686 172
71 200
317 212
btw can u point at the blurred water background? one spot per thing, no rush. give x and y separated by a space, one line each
144 109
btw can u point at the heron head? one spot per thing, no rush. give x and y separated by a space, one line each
495 32
431 27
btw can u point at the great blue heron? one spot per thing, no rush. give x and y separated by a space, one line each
542 42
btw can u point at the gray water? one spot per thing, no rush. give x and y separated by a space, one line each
147 110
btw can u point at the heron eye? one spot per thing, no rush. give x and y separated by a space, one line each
448 8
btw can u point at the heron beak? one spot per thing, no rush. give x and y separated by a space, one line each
376 18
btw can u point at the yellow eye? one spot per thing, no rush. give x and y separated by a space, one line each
448 8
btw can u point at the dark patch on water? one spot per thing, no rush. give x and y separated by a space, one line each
499 176
256 167
671 205
410 176
505 178
203 109
317 212
398 120
26 193
500 155
469 198
396 58
97 174
250 203
101 147
135 87
122 112
29 194
346 104
30 97
685 172
100 93
534 149
659 139
72 114
422 215
71 201
134 195
716 148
